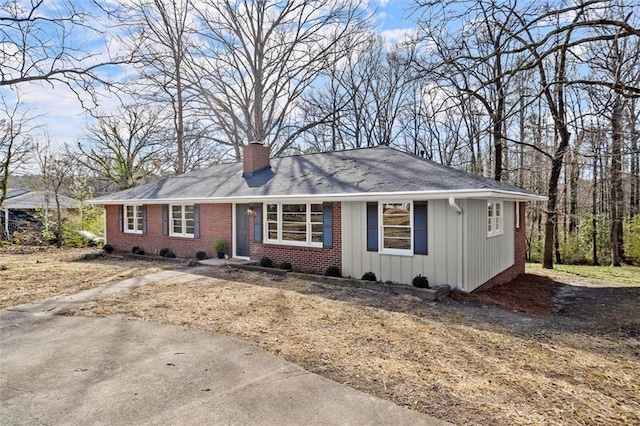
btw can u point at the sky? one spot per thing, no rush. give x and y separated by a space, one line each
65 121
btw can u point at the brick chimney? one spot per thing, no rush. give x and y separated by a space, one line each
254 158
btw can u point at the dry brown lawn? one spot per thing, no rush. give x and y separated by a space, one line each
29 275
464 361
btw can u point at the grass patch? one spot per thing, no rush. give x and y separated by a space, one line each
29 276
624 276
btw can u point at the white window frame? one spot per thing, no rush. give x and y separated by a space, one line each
517 207
183 219
308 242
381 248
137 210
495 222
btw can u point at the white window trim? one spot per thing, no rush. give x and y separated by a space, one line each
517 207
497 219
398 252
279 240
182 234
125 226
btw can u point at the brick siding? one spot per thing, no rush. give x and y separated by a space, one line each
304 259
519 258
215 222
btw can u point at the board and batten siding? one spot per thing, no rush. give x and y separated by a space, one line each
440 265
464 261
485 257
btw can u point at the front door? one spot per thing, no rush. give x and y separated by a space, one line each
242 230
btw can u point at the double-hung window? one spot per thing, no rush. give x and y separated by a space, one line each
133 222
182 221
494 218
396 226
295 224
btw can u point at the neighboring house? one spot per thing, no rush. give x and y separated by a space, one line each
20 204
372 209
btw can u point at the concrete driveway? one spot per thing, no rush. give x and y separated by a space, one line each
80 370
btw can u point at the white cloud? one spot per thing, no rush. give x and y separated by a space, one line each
398 35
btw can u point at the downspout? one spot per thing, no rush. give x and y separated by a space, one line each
104 225
458 210
453 205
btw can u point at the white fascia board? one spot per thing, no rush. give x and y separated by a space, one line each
369 196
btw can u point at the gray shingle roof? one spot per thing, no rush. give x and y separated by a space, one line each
379 171
25 199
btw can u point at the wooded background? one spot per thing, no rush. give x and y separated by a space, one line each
543 95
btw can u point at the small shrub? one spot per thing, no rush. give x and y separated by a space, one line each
286 266
193 263
167 252
265 262
108 248
76 240
134 249
139 250
220 246
420 282
333 271
369 276
201 255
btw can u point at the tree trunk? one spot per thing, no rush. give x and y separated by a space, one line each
573 190
616 194
58 220
556 169
180 122
594 207
634 198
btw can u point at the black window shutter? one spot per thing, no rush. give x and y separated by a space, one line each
257 223
420 227
144 219
196 220
120 218
372 226
327 225
165 219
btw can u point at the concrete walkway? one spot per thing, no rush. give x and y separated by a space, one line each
81 370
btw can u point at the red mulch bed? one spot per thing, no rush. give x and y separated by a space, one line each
528 293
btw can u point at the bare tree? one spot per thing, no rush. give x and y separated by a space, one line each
161 45
16 144
125 148
546 40
45 41
615 61
476 60
256 59
56 168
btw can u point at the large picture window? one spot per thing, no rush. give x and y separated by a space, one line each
133 222
296 224
182 221
494 218
396 228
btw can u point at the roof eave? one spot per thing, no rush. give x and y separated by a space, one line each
363 196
